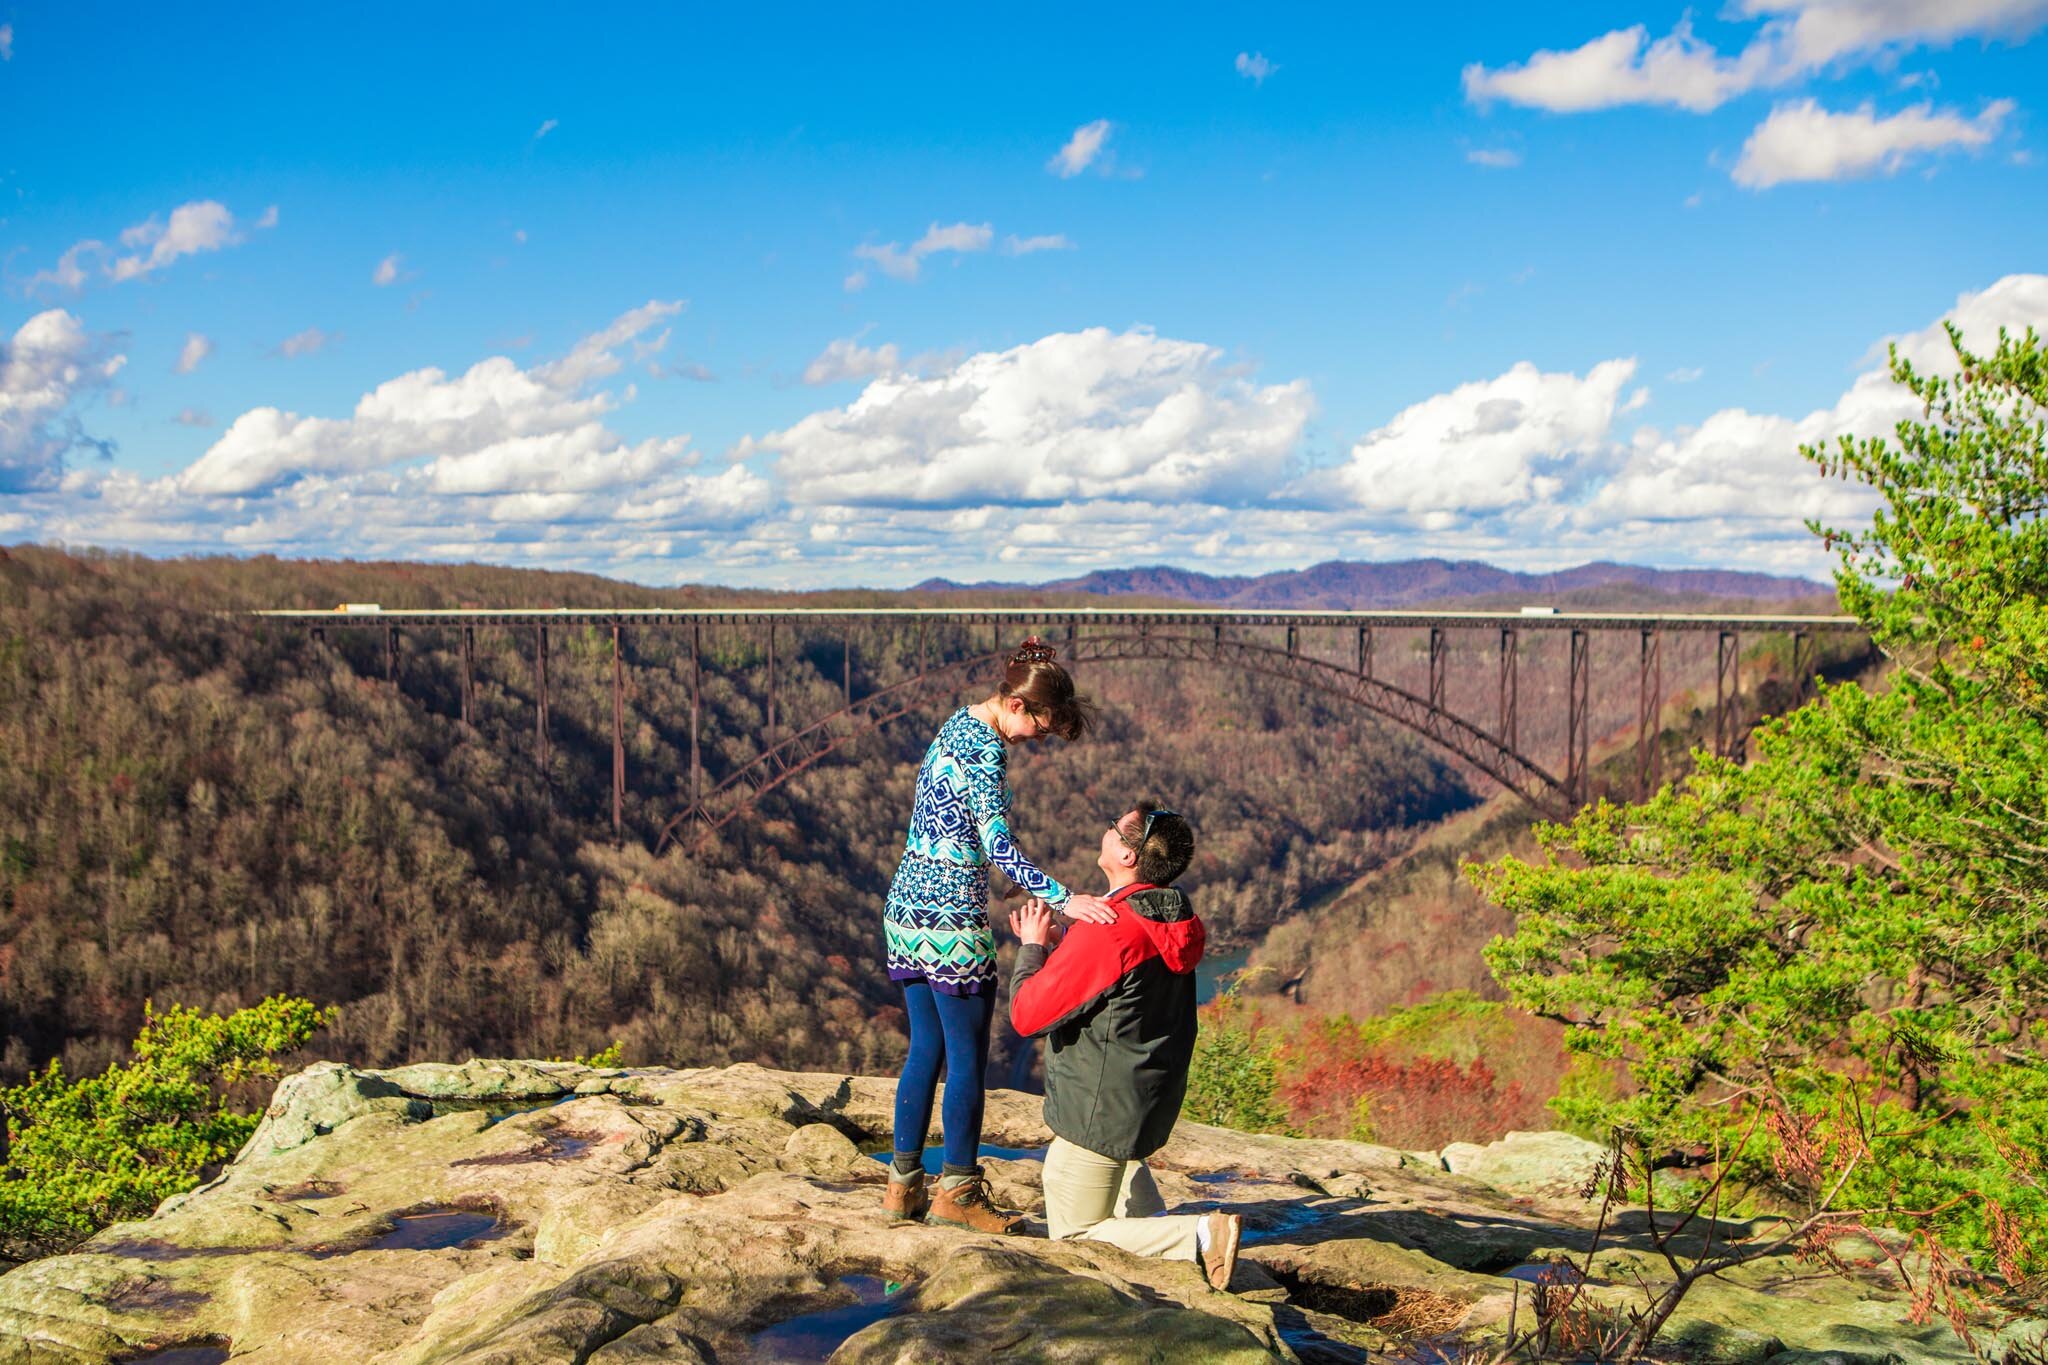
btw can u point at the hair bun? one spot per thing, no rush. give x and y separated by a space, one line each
1034 651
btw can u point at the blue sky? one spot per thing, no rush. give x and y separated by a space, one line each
825 297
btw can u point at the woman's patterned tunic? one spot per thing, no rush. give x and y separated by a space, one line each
936 924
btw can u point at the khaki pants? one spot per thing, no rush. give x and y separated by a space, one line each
1102 1199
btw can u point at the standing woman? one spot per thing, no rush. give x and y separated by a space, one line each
942 950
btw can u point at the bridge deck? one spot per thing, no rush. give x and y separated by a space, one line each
1085 616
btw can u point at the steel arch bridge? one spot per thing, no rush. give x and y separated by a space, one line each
1211 637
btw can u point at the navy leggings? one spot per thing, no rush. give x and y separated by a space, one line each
953 1029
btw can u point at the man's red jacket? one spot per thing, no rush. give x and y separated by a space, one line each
1117 1005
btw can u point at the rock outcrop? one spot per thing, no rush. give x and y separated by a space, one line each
496 1213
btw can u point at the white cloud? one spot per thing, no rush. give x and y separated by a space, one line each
312 341
387 270
1494 158
1024 246
1522 437
905 263
193 353
193 228
1623 67
70 272
269 218
1078 451
1685 374
1799 37
50 363
1812 33
1803 141
845 358
547 126
193 417
1081 150
493 429
1074 415
200 226
1255 67
6 42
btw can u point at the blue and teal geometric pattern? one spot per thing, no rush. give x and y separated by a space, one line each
936 924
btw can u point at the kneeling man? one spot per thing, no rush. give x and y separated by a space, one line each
1116 1003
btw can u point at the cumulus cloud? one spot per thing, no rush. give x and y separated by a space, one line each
312 341
899 262
193 353
1023 246
387 271
1740 464
1521 437
48 365
1811 33
1084 415
494 429
845 358
1081 150
1494 158
1623 67
1798 38
201 226
1254 67
192 229
1803 141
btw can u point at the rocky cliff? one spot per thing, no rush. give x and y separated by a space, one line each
507 1212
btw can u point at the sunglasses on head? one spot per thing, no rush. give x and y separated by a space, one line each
1144 831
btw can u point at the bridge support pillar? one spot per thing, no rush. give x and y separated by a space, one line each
469 675
1805 664
1728 695
768 739
696 704
1365 651
1439 660
1649 713
540 712
1293 641
391 655
1578 778
846 667
1510 682
618 741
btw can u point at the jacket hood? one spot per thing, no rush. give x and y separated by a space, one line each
1169 921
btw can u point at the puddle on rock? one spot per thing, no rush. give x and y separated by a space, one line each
935 1158
150 1249
1561 1273
500 1110
811 1337
209 1352
556 1144
1271 1220
438 1230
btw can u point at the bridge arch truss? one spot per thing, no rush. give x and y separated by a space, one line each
1199 637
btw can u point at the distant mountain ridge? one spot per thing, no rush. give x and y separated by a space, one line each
1344 585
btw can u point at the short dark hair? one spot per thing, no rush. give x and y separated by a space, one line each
1165 850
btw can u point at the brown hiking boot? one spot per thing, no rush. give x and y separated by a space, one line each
1225 1230
906 1199
963 1202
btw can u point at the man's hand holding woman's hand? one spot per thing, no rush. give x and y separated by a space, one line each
1034 923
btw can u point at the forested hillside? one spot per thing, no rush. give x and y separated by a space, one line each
203 811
